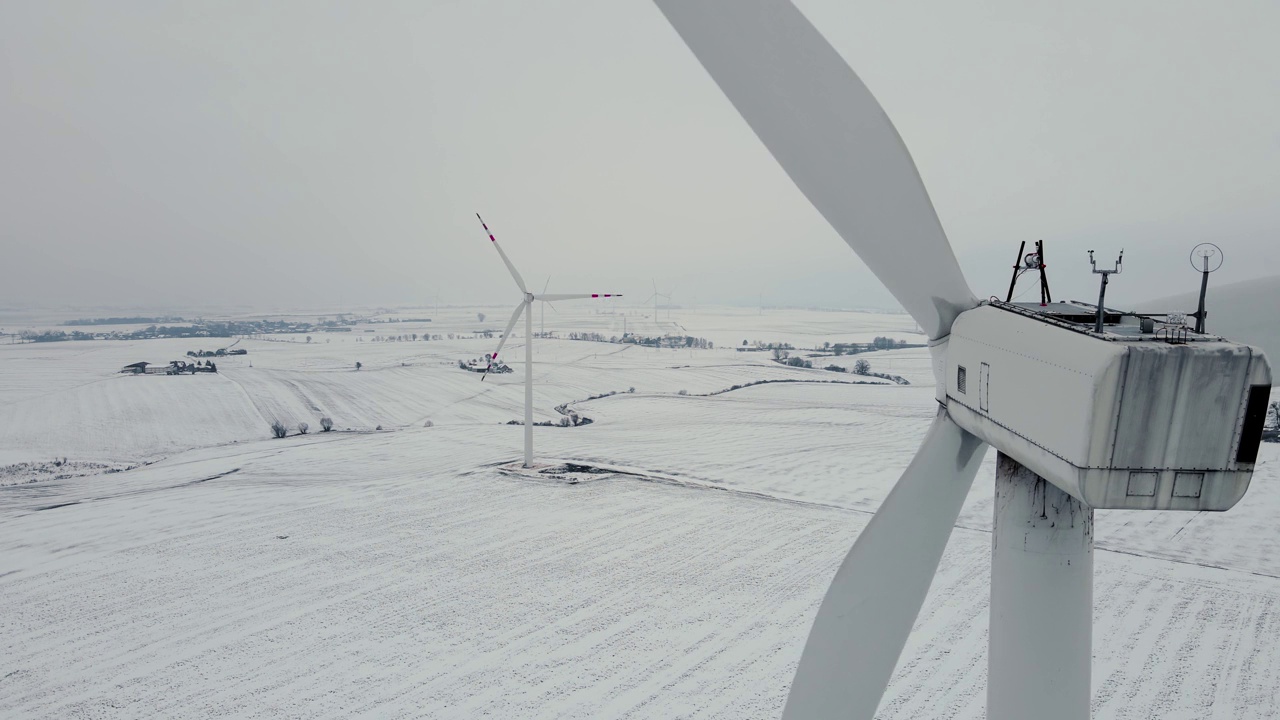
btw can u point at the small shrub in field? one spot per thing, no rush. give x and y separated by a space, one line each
303 428
834 368
326 424
428 424
683 392
279 429
631 390
378 428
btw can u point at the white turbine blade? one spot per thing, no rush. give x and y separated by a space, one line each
515 275
831 136
873 601
575 296
503 340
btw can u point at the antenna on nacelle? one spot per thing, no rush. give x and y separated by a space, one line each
1102 292
1205 253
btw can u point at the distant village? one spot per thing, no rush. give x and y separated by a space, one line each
175 367
193 328
182 367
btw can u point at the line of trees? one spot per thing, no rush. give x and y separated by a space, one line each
279 429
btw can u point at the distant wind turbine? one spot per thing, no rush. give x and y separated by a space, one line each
524 305
654 297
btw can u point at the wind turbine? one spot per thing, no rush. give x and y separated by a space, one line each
542 314
1082 419
525 307
654 297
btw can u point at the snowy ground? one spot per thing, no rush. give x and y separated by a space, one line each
402 573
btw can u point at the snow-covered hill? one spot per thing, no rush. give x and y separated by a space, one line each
68 399
405 574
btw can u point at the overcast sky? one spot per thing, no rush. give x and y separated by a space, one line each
308 153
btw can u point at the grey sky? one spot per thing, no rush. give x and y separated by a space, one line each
306 153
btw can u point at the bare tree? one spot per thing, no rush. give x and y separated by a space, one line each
303 428
326 424
862 367
279 429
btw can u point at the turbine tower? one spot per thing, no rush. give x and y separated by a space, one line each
1082 417
525 307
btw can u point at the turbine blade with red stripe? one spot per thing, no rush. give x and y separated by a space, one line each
515 275
506 334
575 296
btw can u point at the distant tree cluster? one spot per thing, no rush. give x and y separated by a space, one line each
480 365
879 343
884 343
124 320
782 355
196 328
573 419
410 337
53 336
662 341
775 346
280 429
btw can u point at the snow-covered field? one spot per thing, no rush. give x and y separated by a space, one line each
402 573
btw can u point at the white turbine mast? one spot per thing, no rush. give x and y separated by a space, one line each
1083 418
525 307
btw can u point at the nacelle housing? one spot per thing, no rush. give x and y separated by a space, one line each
1164 420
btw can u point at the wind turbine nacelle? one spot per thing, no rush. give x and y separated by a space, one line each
1164 420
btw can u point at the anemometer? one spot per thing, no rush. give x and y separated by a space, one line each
1102 291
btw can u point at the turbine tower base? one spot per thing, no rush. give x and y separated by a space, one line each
1041 637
